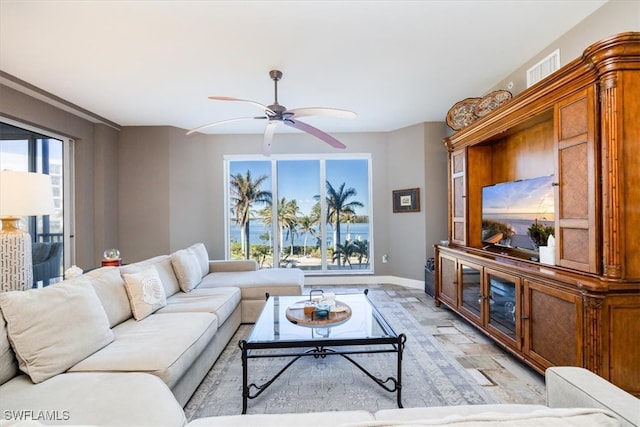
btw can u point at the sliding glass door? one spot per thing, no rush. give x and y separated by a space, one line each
306 212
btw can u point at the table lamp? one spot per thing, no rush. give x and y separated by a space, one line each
21 194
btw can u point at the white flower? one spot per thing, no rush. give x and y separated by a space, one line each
73 271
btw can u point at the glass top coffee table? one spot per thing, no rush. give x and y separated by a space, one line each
283 327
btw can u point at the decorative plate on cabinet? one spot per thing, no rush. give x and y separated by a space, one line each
492 101
462 114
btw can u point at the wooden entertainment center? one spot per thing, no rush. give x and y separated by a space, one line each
581 124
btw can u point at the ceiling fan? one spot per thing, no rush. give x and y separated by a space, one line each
276 113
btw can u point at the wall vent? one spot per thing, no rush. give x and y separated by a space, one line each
543 68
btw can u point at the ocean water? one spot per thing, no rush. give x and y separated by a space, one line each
257 228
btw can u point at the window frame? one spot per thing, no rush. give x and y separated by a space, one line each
322 158
68 208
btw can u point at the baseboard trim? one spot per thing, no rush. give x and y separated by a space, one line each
363 280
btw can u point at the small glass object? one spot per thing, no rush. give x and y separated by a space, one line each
309 307
322 309
111 254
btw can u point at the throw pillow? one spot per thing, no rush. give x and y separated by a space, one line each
187 269
145 292
109 286
53 328
202 256
8 362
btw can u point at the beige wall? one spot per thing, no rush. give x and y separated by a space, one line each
436 190
105 190
615 16
166 191
192 201
143 196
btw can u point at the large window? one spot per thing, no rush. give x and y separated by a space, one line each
27 150
321 206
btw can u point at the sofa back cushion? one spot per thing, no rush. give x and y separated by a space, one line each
187 269
165 270
109 286
8 362
53 328
202 256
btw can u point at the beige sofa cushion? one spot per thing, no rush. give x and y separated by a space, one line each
145 291
220 301
574 387
225 266
202 256
187 269
503 416
8 362
163 345
162 263
437 412
96 399
286 420
254 284
109 287
53 328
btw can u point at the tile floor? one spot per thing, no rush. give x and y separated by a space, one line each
500 373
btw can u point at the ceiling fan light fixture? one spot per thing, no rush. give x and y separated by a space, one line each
276 113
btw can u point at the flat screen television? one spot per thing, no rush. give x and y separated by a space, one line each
510 208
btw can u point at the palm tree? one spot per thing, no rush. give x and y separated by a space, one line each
345 252
338 205
307 226
362 251
266 214
244 193
288 218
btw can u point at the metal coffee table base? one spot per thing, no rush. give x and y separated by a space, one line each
391 384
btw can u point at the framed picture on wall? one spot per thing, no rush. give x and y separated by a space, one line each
406 200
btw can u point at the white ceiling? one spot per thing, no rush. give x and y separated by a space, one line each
396 63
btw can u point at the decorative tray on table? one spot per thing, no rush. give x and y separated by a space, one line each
336 315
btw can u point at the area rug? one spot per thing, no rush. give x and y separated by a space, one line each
430 377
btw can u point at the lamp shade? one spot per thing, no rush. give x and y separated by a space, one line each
25 194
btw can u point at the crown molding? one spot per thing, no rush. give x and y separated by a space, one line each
27 88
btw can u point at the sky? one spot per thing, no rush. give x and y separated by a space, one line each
300 179
14 154
530 196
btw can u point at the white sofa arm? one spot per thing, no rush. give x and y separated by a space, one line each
220 266
573 387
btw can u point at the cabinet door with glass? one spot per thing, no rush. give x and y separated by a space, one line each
470 288
502 307
458 208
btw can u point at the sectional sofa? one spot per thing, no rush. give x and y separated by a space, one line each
576 397
127 345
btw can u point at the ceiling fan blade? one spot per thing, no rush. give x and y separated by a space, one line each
322 111
263 107
222 122
268 137
315 132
